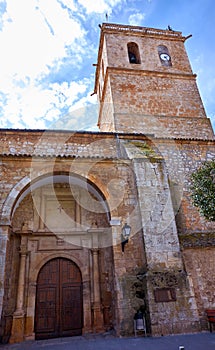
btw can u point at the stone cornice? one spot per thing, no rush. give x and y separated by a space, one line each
197 240
141 31
160 74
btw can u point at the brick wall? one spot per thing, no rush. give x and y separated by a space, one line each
121 183
200 266
148 97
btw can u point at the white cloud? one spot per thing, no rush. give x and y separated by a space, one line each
81 116
33 107
136 19
33 38
70 4
34 42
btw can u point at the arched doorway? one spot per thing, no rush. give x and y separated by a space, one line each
59 307
59 216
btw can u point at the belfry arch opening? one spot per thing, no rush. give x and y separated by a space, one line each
133 53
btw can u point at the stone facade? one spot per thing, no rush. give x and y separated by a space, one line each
65 196
148 93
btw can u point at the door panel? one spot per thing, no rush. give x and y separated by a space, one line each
58 300
47 310
71 309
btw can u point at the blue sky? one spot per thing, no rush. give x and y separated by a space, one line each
48 48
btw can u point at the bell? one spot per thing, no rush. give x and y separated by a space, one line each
132 58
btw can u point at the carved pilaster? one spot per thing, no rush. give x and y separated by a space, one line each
5 231
21 283
18 326
96 305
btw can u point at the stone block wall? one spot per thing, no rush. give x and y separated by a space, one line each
10 278
148 97
116 46
191 155
155 94
200 264
165 272
32 156
131 181
149 104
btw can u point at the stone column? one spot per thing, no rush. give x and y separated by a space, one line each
96 305
17 332
4 236
21 283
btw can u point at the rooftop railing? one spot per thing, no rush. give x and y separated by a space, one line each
143 30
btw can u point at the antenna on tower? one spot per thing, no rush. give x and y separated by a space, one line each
106 17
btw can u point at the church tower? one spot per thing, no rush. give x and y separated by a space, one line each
145 84
148 95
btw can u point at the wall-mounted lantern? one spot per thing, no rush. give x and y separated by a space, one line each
126 231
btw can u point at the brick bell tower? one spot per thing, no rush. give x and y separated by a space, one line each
146 87
145 84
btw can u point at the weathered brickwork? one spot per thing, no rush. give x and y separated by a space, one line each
67 195
155 94
11 284
161 101
200 267
26 220
148 94
184 158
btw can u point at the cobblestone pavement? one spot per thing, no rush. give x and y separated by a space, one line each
200 341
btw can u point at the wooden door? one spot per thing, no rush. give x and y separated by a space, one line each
58 310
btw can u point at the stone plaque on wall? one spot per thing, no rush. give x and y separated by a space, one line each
164 295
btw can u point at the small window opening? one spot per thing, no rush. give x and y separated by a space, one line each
133 53
164 55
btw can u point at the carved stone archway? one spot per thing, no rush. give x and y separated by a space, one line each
38 245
